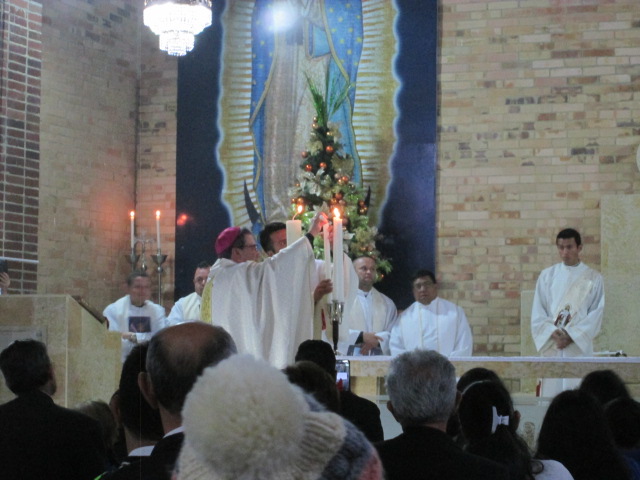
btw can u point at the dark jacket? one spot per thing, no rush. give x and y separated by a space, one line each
363 413
39 439
423 453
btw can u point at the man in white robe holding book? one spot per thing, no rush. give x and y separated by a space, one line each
567 308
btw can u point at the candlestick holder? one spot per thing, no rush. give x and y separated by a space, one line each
133 257
159 259
336 311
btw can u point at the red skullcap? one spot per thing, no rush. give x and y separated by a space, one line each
226 239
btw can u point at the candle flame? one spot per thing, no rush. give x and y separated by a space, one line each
158 214
132 214
336 214
299 209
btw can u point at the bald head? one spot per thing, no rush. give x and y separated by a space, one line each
177 356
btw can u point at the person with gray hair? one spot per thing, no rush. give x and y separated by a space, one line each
422 395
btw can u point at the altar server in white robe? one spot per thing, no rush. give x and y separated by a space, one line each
267 306
431 323
373 314
273 238
187 309
567 308
135 316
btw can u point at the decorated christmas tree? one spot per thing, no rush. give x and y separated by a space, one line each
325 182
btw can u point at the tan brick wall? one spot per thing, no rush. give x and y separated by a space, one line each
104 121
539 108
93 62
156 186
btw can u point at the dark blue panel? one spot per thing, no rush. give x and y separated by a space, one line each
408 220
199 178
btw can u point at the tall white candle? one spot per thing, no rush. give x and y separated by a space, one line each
158 229
294 227
327 256
132 215
338 265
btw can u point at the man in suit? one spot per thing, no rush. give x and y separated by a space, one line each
363 413
176 357
141 423
422 395
39 439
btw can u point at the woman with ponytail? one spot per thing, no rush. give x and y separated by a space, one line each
489 424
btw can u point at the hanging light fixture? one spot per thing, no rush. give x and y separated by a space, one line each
177 22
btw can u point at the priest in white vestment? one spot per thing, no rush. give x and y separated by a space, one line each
267 306
135 316
187 309
431 323
273 238
567 307
373 314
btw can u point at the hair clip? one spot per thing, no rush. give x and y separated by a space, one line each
498 420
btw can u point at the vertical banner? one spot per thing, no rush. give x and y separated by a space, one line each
245 113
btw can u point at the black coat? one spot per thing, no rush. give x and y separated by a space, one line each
423 453
363 413
39 439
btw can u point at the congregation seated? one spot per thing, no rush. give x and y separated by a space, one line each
422 395
245 420
177 355
142 424
315 381
623 418
472 375
363 413
574 432
489 424
39 439
604 386
100 411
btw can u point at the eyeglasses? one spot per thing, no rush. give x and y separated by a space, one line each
254 246
420 285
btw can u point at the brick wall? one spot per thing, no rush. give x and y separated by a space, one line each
91 73
104 121
157 127
539 109
20 69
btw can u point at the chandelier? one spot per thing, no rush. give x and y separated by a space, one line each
177 22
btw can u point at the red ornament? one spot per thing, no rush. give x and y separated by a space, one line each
344 179
323 165
328 149
305 154
339 195
308 167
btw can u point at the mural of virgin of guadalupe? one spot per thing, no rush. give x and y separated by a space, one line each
325 36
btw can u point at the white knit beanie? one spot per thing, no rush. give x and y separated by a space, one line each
244 420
